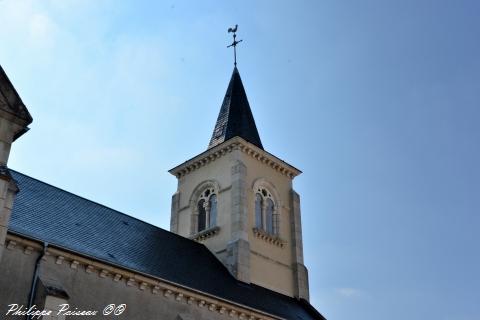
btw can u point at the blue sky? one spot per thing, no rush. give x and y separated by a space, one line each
377 102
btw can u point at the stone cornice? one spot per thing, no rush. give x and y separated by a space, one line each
228 146
205 234
155 286
273 239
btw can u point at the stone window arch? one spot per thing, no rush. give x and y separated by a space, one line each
266 207
204 202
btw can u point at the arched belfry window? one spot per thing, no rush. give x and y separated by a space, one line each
207 209
266 215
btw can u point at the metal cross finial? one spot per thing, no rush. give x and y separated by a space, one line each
234 43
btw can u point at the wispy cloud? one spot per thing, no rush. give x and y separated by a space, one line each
348 292
103 157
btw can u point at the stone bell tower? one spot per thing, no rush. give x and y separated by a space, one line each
14 119
238 200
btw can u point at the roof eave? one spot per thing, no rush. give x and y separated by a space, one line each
229 145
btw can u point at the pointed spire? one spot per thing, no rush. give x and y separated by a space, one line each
235 117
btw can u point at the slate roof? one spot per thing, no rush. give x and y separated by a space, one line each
235 117
46 213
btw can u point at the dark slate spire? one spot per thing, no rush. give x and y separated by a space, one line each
235 117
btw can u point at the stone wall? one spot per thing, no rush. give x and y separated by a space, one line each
92 285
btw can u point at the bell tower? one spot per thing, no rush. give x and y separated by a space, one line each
238 200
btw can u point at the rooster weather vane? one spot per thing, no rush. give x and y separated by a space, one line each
234 43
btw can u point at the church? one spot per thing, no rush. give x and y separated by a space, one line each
234 249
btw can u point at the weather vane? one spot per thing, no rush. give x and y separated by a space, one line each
234 43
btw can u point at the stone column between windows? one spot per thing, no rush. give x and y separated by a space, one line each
264 214
238 248
206 205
